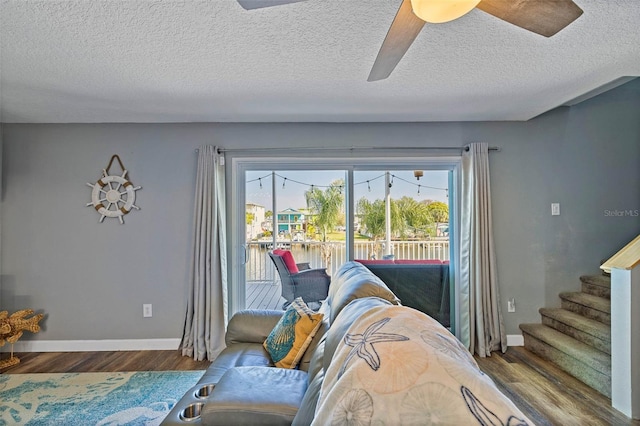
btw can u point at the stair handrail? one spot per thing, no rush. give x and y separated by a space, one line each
627 258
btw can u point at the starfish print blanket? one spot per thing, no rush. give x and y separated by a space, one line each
397 365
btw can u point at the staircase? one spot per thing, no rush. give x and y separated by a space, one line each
577 336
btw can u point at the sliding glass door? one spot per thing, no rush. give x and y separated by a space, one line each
402 214
403 234
299 211
396 216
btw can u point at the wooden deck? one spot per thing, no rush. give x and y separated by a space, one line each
263 295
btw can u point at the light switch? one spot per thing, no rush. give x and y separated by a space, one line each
555 209
147 310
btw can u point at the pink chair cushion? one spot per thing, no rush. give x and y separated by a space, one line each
288 260
375 261
418 262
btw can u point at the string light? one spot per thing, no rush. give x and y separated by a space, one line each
419 185
259 178
368 182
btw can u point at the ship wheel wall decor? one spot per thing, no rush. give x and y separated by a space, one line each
113 195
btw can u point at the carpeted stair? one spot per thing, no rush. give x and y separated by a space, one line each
577 336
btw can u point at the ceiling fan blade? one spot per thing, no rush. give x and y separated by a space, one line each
257 4
544 17
404 29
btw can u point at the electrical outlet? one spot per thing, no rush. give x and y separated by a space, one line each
147 310
555 209
511 305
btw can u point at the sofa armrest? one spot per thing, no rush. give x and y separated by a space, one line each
255 396
251 325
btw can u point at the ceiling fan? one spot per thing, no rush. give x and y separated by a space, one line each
544 17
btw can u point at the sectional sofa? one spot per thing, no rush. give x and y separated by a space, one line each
370 360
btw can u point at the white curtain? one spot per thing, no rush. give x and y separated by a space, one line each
483 330
206 317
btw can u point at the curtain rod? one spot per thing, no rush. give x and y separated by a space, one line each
373 148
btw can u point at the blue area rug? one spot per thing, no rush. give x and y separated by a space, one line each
136 398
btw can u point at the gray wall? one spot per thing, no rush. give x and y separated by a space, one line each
92 279
1 186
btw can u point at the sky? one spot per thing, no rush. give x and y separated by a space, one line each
369 184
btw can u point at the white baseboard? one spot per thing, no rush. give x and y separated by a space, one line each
93 345
131 345
515 340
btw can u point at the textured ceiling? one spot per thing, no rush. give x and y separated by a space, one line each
212 61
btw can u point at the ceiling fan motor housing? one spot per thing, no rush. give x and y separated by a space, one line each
439 11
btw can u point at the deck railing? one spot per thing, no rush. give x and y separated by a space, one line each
260 268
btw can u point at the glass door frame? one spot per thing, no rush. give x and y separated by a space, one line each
236 210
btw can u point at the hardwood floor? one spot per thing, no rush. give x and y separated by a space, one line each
546 394
79 362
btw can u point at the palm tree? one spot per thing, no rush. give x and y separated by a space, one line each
439 211
406 214
413 215
372 217
326 207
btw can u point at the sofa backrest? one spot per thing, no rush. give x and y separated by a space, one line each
343 322
324 351
353 281
319 336
396 365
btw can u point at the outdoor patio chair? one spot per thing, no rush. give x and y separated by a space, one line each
299 280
